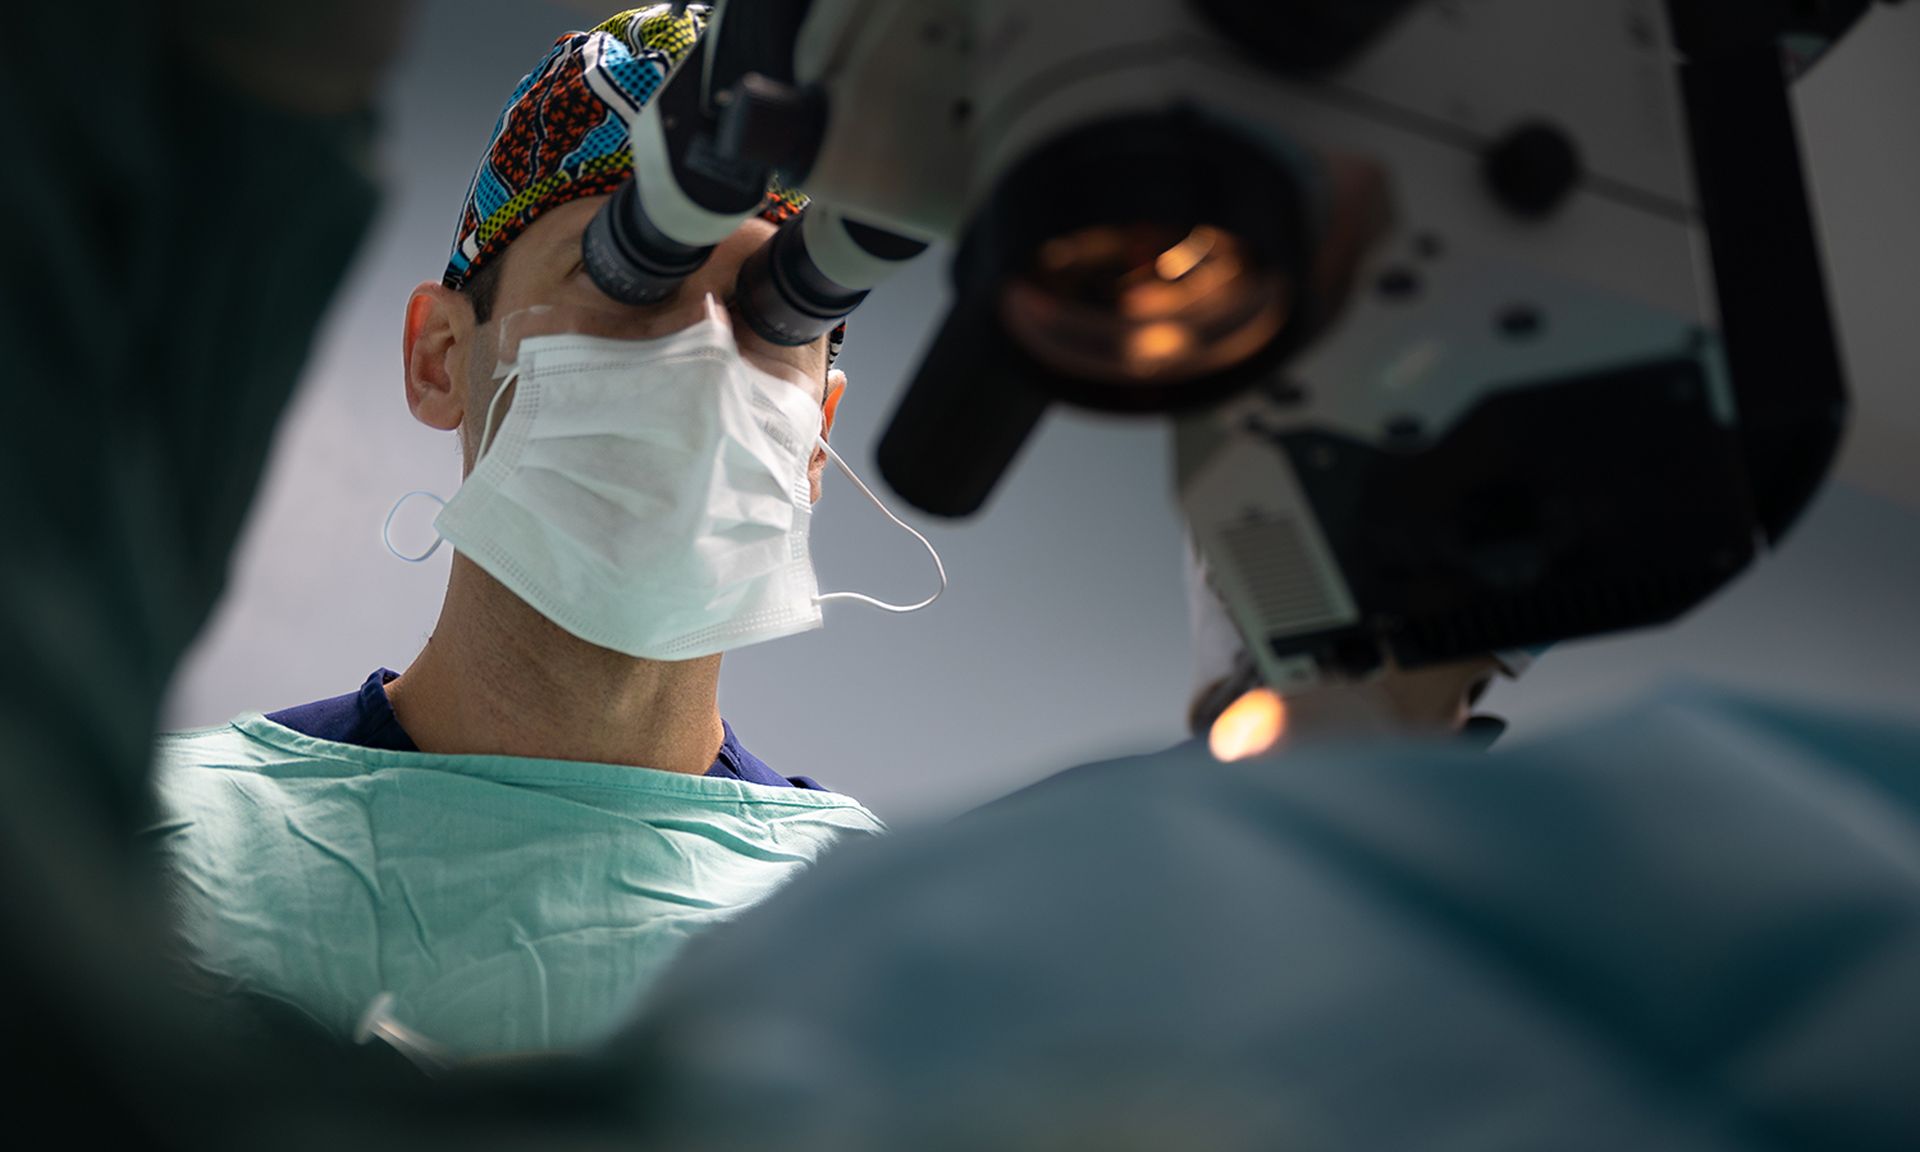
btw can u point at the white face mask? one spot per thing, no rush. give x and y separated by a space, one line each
651 496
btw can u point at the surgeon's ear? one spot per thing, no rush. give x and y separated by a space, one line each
439 322
829 407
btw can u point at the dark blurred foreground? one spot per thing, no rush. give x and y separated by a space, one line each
1694 927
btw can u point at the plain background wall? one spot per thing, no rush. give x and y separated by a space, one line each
1064 635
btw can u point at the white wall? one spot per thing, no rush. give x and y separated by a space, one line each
1063 637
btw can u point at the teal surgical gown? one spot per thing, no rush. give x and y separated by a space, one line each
505 904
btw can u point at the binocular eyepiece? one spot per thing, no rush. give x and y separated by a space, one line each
706 152
794 289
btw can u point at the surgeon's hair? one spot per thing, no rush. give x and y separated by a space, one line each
483 288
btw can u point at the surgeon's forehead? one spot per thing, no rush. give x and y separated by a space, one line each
556 235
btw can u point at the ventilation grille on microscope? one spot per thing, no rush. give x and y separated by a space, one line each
1276 557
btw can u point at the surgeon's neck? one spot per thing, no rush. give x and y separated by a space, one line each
498 678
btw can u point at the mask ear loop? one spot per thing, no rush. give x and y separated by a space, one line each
486 438
386 530
861 598
507 380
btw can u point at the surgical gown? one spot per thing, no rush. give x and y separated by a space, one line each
504 904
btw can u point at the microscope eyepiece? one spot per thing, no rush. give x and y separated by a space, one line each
630 258
814 272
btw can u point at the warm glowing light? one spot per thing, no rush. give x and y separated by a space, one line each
1185 256
1139 303
1162 341
1250 726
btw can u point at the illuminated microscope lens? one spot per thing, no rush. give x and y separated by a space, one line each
1146 304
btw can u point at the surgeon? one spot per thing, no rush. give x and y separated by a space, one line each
496 849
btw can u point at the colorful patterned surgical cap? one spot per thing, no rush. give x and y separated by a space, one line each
564 132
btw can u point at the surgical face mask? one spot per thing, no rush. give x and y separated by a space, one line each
649 496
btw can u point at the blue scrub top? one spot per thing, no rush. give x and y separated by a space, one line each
366 719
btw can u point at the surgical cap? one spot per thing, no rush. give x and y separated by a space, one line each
564 132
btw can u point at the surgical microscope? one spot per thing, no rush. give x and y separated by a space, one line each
1481 324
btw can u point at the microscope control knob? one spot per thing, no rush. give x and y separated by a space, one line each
1532 169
